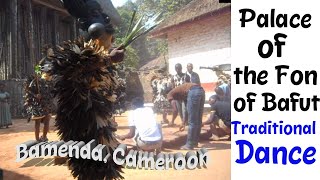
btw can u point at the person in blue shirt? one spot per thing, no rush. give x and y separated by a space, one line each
224 92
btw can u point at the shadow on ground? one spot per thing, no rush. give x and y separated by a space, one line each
13 175
38 162
217 145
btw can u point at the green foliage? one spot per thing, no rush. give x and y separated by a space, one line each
140 29
162 47
167 7
126 13
131 58
145 49
37 69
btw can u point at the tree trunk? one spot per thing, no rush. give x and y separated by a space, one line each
74 29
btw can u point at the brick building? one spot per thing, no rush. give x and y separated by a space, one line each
200 33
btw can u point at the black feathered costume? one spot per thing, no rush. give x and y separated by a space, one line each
37 108
85 86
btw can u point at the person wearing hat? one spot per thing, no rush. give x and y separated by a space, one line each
5 115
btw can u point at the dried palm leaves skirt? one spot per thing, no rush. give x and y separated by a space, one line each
84 85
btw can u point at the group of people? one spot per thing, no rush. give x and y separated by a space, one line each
36 107
186 97
180 106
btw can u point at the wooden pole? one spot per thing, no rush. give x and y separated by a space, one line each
56 34
7 52
20 44
43 31
32 48
74 29
43 3
13 38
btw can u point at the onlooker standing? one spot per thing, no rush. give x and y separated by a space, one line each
161 86
194 77
5 116
179 106
195 96
180 78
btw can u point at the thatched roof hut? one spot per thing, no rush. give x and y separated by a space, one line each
196 9
199 33
159 63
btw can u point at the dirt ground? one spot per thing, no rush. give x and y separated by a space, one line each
44 168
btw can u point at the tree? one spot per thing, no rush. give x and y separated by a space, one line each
131 56
167 7
144 49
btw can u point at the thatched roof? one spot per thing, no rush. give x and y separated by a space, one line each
52 4
158 63
192 11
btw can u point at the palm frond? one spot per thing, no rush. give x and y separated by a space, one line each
131 22
139 29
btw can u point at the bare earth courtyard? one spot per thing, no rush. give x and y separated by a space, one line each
44 168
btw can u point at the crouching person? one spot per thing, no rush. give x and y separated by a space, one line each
143 127
220 117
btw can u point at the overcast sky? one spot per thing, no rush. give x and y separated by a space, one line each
118 3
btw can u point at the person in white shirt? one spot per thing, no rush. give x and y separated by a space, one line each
144 127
